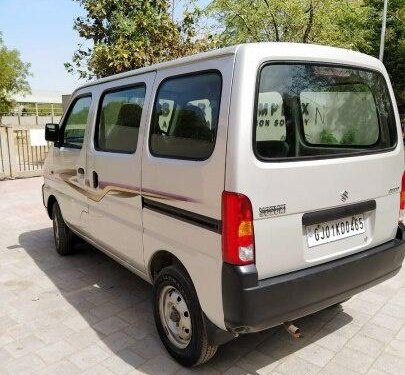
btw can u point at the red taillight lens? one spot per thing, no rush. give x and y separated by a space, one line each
402 199
238 246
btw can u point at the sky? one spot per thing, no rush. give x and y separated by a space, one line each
42 30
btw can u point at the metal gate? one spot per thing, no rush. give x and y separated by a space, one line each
19 157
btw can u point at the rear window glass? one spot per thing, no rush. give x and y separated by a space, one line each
185 116
307 110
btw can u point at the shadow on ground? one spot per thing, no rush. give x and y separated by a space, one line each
116 308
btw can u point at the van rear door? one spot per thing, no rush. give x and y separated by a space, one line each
325 182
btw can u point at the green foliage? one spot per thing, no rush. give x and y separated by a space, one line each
13 76
394 52
354 24
327 137
332 22
349 138
79 118
44 109
129 34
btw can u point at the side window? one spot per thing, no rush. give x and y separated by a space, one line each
76 123
185 116
119 120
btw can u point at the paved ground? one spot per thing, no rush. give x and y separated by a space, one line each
85 314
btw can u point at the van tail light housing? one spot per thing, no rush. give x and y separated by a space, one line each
402 201
238 247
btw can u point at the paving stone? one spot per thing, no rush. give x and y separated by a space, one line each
148 347
315 354
332 340
257 363
83 338
86 314
5 339
160 365
366 345
353 360
117 341
55 352
24 346
401 334
335 369
235 370
98 370
387 321
63 367
390 364
377 332
131 357
24 365
76 323
5 356
88 357
297 366
110 325
117 365
396 347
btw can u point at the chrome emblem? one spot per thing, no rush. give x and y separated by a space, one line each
344 196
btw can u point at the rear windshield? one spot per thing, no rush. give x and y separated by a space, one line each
308 110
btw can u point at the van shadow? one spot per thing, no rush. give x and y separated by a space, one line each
107 303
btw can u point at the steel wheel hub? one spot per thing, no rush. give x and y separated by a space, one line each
175 316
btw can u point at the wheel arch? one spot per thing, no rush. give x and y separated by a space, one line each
162 259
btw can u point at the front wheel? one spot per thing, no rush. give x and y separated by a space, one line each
61 232
179 318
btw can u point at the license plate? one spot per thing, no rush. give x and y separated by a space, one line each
330 231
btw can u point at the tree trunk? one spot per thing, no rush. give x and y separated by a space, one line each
309 24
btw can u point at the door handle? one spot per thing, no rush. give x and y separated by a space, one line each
95 179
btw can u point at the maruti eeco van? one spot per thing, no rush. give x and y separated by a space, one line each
251 185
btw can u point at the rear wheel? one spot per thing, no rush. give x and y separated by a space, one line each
179 318
62 235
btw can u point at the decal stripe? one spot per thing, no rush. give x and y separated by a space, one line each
125 191
206 222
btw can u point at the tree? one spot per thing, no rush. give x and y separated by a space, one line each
333 22
13 76
394 52
129 34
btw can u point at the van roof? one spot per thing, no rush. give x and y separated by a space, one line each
277 50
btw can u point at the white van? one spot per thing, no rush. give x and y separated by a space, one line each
251 185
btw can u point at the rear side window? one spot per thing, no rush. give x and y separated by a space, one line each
76 123
308 110
119 120
185 116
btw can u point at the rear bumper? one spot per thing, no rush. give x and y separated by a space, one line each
252 305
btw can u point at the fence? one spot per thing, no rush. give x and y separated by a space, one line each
19 155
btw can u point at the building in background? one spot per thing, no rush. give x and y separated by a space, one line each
22 132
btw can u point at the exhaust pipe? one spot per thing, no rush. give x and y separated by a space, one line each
293 330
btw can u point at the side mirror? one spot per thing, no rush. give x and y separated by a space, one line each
52 132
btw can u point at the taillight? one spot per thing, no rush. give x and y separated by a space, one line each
238 246
402 200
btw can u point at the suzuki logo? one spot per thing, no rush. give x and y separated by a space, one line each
344 196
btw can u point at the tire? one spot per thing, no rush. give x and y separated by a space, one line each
191 348
62 235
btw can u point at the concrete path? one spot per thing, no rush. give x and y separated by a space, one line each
85 314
